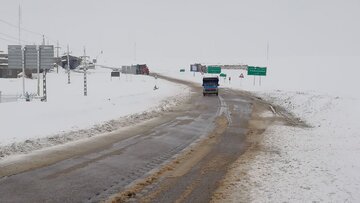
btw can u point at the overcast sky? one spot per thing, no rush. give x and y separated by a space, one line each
189 30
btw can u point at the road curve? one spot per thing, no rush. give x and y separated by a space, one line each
113 165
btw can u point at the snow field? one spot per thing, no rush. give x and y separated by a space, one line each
69 115
319 163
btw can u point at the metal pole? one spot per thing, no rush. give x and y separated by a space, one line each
57 56
254 80
44 86
68 64
0 96
85 69
267 52
23 69
38 72
19 24
135 52
259 80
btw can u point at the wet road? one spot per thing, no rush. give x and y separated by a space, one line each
111 166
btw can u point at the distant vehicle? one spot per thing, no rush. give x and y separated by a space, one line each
210 85
143 69
139 69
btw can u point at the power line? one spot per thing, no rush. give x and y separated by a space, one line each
9 36
26 30
32 32
9 40
16 26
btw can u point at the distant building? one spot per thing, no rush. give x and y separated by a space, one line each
3 64
74 61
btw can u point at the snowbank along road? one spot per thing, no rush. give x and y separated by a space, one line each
179 157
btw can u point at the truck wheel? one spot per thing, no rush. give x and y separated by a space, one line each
204 94
217 94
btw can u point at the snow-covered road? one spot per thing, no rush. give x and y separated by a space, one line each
297 164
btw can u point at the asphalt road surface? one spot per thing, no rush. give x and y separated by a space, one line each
178 157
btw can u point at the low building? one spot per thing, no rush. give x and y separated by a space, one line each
74 61
4 65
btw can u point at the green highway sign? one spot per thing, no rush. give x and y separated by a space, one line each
182 70
214 69
223 75
252 70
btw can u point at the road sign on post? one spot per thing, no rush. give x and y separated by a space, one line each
214 69
252 70
223 75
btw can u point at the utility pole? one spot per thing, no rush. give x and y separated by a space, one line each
22 53
43 40
267 53
267 59
23 69
85 70
135 52
68 64
19 24
38 71
57 56
44 98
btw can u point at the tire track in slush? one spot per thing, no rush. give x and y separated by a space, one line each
139 172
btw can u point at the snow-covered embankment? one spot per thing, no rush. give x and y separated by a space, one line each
320 163
68 115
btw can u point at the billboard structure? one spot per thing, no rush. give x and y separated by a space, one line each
214 69
31 58
193 67
15 57
46 56
252 70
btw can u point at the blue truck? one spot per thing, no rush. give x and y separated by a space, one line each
210 85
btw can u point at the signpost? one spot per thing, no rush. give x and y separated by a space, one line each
257 71
223 75
115 74
241 78
260 71
214 69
